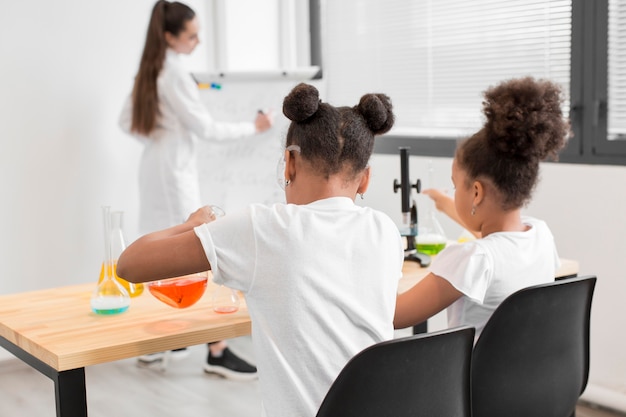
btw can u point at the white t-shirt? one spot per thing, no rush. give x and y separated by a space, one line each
169 187
320 282
488 270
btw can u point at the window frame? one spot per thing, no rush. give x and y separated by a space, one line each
588 98
290 51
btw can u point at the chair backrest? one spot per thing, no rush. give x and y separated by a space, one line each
421 375
532 357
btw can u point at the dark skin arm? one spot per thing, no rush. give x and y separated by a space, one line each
168 253
422 301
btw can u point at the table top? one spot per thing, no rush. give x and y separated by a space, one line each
58 327
412 273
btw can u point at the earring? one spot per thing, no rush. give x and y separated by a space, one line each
361 195
287 182
473 212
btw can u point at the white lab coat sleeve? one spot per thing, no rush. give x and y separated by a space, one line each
184 99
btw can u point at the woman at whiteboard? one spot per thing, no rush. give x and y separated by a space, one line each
165 112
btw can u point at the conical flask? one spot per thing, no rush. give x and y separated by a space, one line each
118 244
431 238
109 297
225 300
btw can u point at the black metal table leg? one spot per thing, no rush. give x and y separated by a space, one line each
69 386
71 393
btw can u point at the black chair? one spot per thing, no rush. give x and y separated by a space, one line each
532 358
420 375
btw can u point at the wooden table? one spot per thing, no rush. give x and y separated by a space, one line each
55 332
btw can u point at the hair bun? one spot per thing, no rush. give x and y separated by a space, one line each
301 103
376 109
524 118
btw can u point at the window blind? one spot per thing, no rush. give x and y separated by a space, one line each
617 70
434 58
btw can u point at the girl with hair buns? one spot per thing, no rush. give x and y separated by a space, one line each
319 273
494 173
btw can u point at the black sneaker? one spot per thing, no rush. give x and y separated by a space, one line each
230 366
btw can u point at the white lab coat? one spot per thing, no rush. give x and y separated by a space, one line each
168 178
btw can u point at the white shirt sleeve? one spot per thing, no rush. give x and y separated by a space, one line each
229 246
467 267
184 100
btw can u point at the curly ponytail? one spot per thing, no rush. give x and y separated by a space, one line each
524 125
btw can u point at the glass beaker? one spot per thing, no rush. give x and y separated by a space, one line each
118 244
109 297
179 292
225 300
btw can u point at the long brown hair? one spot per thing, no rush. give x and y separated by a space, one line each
166 17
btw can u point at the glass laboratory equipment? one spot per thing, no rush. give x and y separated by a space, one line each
179 292
109 297
225 300
465 236
431 238
118 244
184 291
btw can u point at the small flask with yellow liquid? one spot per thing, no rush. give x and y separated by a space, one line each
118 244
109 297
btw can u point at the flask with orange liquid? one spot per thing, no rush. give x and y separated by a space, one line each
184 291
179 292
118 244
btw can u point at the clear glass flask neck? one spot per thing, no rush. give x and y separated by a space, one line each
109 297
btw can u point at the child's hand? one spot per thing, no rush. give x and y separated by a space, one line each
202 215
443 202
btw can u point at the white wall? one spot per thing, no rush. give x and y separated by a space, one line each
66 68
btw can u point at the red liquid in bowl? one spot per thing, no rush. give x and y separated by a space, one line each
179 292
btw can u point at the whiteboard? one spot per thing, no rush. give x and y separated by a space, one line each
235 173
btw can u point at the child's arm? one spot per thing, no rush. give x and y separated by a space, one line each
167 253
425 299
445 204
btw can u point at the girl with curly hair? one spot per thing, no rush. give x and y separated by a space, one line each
320 274
494 173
